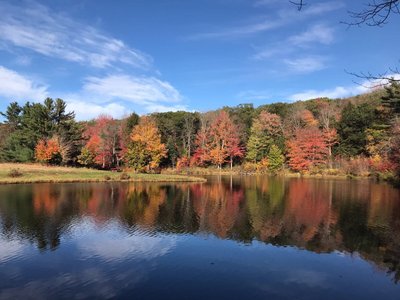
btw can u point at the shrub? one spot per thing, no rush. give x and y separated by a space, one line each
15 173
125 176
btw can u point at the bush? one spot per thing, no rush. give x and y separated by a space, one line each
15 173
125 176
260 167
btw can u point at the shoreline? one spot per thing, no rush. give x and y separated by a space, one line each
172 180
284 174
35 173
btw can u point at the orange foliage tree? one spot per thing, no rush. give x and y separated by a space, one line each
48 151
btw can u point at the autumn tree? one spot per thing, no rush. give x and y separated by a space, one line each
265 131
328 115
242 116
146 150
307 149
48 151
126 127
222 140
103 142
395 146
201 155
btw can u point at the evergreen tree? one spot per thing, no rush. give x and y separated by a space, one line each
36 121
352 129
392 98
275 159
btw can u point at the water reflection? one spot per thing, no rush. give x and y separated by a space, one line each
112 222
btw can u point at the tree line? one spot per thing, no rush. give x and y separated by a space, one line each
355 135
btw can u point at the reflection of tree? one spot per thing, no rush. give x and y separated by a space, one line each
317 215
218 207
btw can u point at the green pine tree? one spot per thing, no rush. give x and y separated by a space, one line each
275 159
392 98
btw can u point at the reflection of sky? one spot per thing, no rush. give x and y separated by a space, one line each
10 248
93 261
116 244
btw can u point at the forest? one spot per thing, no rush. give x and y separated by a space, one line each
356 136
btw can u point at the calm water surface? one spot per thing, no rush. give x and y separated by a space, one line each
229 238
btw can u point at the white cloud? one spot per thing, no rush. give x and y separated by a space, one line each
284 17
39 29
341 91
337 92
119 95
88 110
140 90
306 64
14 86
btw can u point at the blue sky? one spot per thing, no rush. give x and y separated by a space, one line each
115 57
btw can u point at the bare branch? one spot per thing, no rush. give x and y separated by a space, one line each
299 3
376 13
378 80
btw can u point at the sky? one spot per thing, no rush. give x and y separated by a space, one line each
144 56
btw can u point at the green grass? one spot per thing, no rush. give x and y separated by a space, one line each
32 173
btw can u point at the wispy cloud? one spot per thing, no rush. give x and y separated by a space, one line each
284 17
266 2
306 64
254 95
35 27
14 86
316 34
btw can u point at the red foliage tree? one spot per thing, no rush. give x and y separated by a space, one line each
218 142
103 141
307 149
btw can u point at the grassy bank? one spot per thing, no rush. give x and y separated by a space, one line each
325 174
32 173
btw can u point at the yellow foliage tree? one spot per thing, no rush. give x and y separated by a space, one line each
146 150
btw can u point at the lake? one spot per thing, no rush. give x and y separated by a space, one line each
229 238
